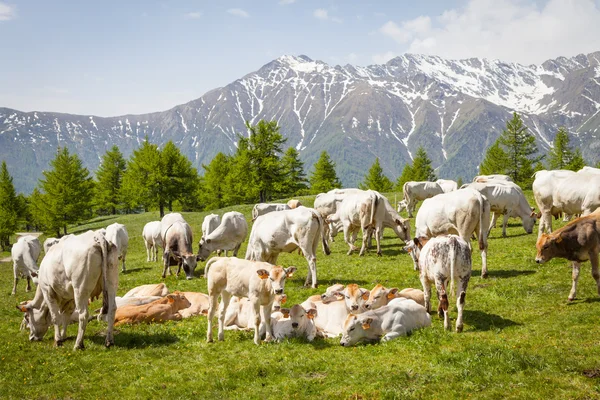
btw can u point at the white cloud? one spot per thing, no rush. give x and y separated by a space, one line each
192 15
385 57
513 30
238 12
7 12
285 2
323 14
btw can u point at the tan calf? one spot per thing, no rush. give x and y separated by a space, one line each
165 309
381 296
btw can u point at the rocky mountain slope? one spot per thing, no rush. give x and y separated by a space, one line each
454 108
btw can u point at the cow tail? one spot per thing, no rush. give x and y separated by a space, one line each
326 249
374 202
452 255
482 239
208 264
101 240
405 192
254 213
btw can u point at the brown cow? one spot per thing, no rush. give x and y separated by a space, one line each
165 309
578 241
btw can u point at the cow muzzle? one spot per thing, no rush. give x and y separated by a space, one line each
294 324
354 307
278 291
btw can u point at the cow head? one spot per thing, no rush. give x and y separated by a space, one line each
528 223
299 316
37 320
277 277
379 297
204 249
414 247
403 228
547 246
355 297
178 300
280 299
402 205
357 328
333 293
189 262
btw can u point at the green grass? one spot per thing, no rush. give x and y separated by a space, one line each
522 338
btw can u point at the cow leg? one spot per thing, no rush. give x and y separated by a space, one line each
576 267
166 264
366 234
426 293
256 321
56 319
492 223
16 274
595 272
347 240
124 256
484 263
81 305
225 297
460 302
235 250
28 288
504 224
148 251
378 236
266 318
410 207
212 303
311 278
179 264
443 301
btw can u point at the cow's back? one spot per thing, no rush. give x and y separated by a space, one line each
448 213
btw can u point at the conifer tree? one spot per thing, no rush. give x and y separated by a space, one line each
406 176
520 147
495 160
324 178
421 167
109 178
213 185
294 179
265 146
67 188
180 178
376 180
37 206
561 156
239 185
9 207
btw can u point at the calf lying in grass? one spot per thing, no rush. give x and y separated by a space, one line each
164 309
296 322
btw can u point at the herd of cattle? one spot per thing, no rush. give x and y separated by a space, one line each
78 268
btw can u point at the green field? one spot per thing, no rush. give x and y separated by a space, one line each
522 338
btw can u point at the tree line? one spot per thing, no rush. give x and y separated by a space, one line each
162 179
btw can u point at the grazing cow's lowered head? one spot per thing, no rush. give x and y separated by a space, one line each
402 205
403 226
189 262
413 247
379 297
357 328
354 297
37 320
203 251
548 247
277 277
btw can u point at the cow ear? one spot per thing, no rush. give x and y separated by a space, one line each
289 272
283 298
366 324
23 307
198 258
416 242
365 295
392 293
311 313
285 312
170 299
539 215
262 273
532 214
408 249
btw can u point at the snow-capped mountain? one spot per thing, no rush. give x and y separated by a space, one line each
455 109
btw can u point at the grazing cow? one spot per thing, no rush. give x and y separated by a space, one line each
25 253
508 199
265 208
488 178
578 241
545 188
152 289
177 241
447 185
164 309
286 231
152 240
326 204
415 192
579 194
210 223
229 235
117 234
446 261
398 318
463 212
380 296
299 323
240 312
293 203
49 243
74 271
259 281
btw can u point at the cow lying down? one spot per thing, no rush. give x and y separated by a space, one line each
398 318
295 322
164 309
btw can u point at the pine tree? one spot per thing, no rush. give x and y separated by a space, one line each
9 207
265 145
421 167
294 179
67 191
180 178
109 178
495 160
376 180
577 162
324 178
37 207
519 146
406 176
459 182
239 185
561 156
213 185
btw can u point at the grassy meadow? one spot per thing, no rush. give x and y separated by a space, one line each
522 338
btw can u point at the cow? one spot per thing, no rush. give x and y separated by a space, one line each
152 289
445 261
177 240
326 204
152 240
398 318
495 177
135 301
589 170
579 194
164 309
239 313
545 188
74 271
117 234
265 208
463 212
286 231
25 253
578 241
354 297
508 199
51 241
417 191
447 185
293 203
259 281
229 235
380 296
210 223
299 323
199 304
332 293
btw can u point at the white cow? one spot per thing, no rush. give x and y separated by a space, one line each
210 223
463 212
74 271
152 240
265 208
293 203
579 194
495 177
117 234
177 240
446 261
508 199
589 170
415 192
24 254
49 243
258 281
326 204
151 289
286 231
240 313
380 296
229 235
398 318
299 323
447 185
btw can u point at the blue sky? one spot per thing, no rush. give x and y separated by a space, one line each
115 57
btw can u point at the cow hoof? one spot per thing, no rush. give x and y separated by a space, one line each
58 343
459 329
109 343
80 347
379 253
484 276
571 298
